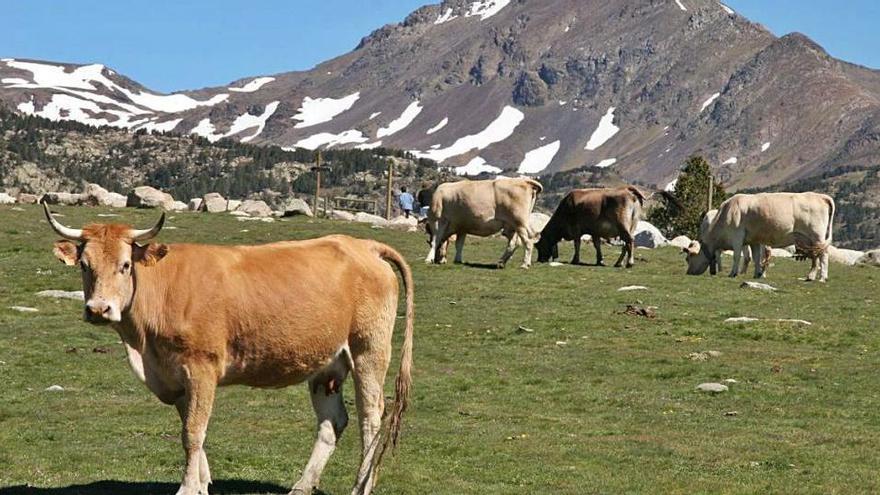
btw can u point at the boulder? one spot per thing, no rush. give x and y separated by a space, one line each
238 213
871 258
255 208
341 215
410 224
115 200
781 253
179 206
371 219
713 388
62 198
6 199
213 203
649 236
194 204
844 256
295 206
233 204
28 199
537 221
149 197
94 195
681 241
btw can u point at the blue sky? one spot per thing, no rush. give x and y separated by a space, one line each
188 44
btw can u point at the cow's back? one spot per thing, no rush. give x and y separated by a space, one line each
484 207
600 211
777 219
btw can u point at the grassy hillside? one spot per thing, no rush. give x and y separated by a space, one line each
590 400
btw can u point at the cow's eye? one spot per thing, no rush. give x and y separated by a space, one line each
126 267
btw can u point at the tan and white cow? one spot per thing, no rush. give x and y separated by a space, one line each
194 317
482 208
768 219
715 266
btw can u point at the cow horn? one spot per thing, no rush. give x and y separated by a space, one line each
147 234
65 232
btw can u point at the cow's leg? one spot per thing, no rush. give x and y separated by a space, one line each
814 269
627 251
747 258
370 367
823 266
195 406
326 393
737 258
597 243
525 236
576 259
440 237
437 231
459 247
204 469
757 255
509 250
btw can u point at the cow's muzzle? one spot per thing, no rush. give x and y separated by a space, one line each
98 312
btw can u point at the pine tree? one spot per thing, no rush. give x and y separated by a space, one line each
692 190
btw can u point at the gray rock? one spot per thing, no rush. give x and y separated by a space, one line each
757 286
741 319
23 309
213 203
649 236
238 213
537 221
149 197
76 295
410 224
28 199
781 253
630 288
375 220
844 256
714 388
54 388
295 206
233 204
62 198
681 241
6 199
870 258
194 204
342 215
255 208
179 206
115 200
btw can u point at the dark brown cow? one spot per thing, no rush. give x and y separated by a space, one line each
602 213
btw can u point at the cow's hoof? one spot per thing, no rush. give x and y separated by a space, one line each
500 265
618 265
600 263
525 266
629 265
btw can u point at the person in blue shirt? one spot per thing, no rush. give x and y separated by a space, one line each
406 201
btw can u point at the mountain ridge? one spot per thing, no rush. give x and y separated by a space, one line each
526 85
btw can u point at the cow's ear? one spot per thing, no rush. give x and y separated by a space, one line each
150 254
66 252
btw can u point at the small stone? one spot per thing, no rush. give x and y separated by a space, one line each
76 295
629 288
714 388
757 286
561 342
55 388
741 319
23 309
731 413
730 380
524 329
555 263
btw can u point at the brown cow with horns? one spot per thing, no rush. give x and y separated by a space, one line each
194 317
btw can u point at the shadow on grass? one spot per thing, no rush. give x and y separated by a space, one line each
113 487
482 266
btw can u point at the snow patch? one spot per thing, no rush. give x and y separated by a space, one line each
486 8
730 161
539 158
498 130
13 80
709 101
166 126
409 114
247 121
329 139
315 111
440 125
445 17
253 85
606 163
477 166
671 186
206 129
368 146
66 107
27 107
681 5
605 131
727 9
374 115
765 146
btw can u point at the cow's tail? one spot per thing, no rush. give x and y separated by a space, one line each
831 208
640 196
403 384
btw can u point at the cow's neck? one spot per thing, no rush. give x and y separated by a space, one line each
144 315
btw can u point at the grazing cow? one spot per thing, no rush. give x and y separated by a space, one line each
715 266
194 317
482 208
602 213
768 219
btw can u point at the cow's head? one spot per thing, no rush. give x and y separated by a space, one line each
106 255
547 250
697 257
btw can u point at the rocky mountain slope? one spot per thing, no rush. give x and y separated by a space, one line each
530 86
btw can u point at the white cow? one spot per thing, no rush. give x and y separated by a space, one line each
715 266
482 208
767 219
